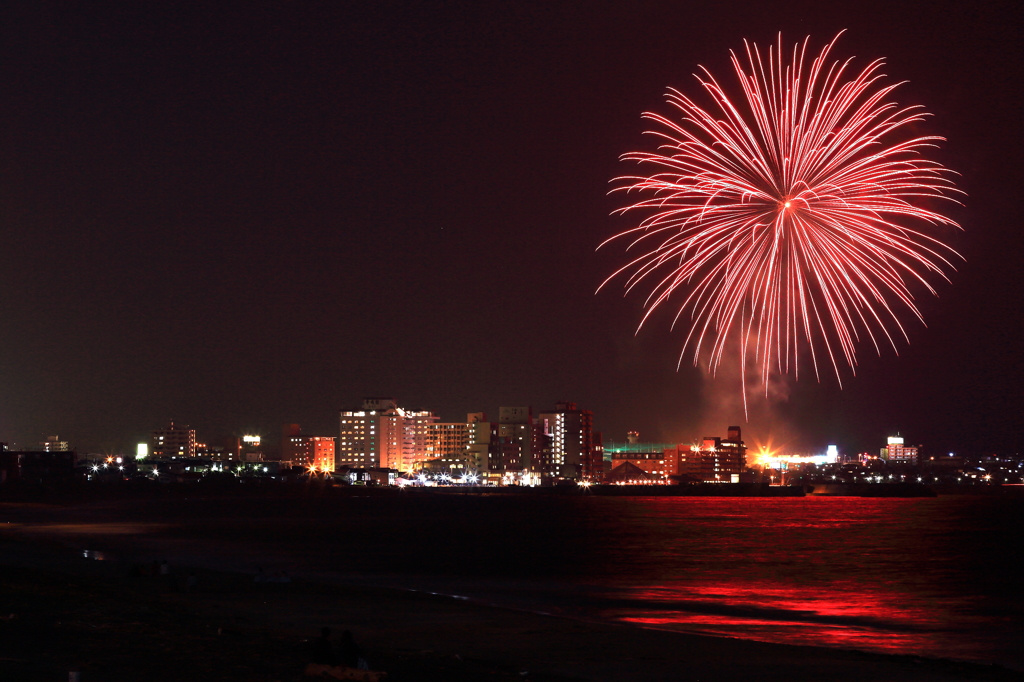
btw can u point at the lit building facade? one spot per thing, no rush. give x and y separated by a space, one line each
512 437
572 441
382 434
358 440
713 460
545 461
654 459
174 441
478 443
245 449
447 444
310 451
415 436
896 452
723 460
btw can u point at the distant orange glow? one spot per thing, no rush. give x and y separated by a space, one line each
763 452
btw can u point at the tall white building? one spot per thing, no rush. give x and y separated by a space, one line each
382 434
478 443
572 442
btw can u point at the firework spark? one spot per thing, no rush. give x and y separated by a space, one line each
795 217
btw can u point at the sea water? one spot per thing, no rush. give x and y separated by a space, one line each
935 577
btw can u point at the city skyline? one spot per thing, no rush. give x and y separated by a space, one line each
241 216
187 439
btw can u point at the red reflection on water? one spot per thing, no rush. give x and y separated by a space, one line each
782 632
866 619
840 573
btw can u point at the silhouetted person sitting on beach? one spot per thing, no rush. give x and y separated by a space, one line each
323 651
165 573
349 653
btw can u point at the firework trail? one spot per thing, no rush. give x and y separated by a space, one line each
793 217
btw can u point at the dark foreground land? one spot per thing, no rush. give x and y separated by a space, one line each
62 612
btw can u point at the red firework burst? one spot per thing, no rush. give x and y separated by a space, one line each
793 217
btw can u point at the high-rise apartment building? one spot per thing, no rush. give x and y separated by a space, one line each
730 458
174 441
545 461
413 455
310 451
572 444
478 443
512 441
382 434
447 445
721 460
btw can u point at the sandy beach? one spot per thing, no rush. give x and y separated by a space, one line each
64 611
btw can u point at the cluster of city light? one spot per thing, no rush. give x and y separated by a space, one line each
642 482
109 462
427 480
526 478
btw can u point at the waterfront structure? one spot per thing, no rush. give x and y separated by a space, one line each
712 460
654 459
600 467
896 452
176 440
447 444
478 443
723 460
359 439
572 451
627 473
546 461
316 452
382 434
512 442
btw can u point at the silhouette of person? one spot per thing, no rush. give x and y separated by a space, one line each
349 653
322 650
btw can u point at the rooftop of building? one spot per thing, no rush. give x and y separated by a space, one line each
626 448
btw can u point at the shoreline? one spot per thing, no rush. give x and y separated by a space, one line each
412 635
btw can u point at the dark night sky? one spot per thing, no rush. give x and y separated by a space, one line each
240 216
